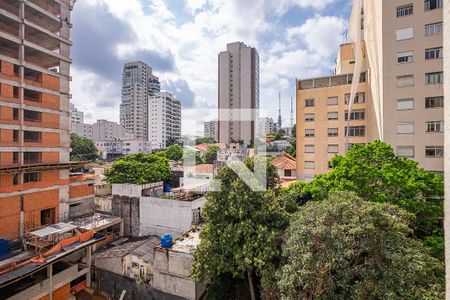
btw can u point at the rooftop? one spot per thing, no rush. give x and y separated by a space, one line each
285 162
328 81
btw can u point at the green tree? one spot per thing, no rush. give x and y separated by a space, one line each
82 149
204 140
139 168
172 141
242 231
291 150
174 152
376 174
190 153
347 248
210 155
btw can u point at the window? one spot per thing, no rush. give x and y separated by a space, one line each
434 53
16 178
15 136
434 78
32 116
359 98
405 128
32 157
405 57
404 34
15 158
405 11
309 117
356 131
435 126
434 151
405 151
432 4
31 177
31 95
333 101
309 132
333 149
405 104
333 115
309 165
15 114
288 173
434 102
356 115
32 136
309 149
405 81
309 102
433 29
333 132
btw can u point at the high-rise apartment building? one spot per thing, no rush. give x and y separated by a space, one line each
35 185
238 93
211 130
264 126
400 96
102 130
138 84
164 120
76 116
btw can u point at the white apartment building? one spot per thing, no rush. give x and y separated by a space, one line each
138 84
76 116
211 130
238 93
102 130
109 149
264 126
164 120
136 146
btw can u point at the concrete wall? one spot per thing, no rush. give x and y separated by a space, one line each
128 209
161 216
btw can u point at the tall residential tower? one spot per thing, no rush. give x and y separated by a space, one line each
238 93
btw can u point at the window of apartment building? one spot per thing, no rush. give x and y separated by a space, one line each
309 102
309 132
31 177
333 148
359 98
405 33
309 148
434 53
404 11
15 114
434 78
359 114
333 101
434 102
432 4
433 29
434 151
15 136
309 165
405 104
405 128
405 81
405 151
32 157
405 57
32 116
333 132
16 178
16 92
355 131
31 95
334 115
309 117
32 136
435 126
15 158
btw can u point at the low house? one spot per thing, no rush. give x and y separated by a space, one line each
286 167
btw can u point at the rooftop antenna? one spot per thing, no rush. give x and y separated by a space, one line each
279 111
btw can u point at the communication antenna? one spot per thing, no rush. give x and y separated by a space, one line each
279 111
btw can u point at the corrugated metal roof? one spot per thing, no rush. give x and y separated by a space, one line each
145 251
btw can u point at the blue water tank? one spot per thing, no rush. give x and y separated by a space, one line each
166 241
3 247
167 187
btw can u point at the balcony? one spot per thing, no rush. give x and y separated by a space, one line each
330 81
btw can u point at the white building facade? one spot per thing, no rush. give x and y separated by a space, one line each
102 130
211 130
76 116
264 126
164 120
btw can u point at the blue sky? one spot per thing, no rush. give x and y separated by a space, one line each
180 40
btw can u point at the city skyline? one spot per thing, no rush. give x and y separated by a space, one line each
289 39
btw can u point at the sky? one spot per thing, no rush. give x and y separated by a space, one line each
181 39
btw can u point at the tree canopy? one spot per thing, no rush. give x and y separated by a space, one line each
139 168
82 148
347 248
204 140
242 231
210 155
174 152
291 150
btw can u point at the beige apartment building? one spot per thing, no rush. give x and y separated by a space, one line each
238 93
400 95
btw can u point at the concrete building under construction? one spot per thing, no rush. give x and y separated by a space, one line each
36 188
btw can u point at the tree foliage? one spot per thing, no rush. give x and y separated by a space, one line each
204 140
347 248
139 168
210 155
174 152
82 149
242 231
376 174
291 150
